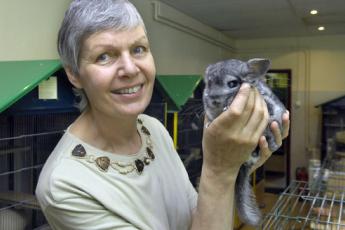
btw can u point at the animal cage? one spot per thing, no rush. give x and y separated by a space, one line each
190 130
317 204
300 207
185 118
26 140
31 123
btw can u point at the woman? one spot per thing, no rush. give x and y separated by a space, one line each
115 168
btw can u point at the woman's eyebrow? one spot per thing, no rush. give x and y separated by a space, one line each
141 39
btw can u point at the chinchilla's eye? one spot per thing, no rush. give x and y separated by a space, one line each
233 83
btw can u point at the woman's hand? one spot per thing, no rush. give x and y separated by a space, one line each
232 136
265 152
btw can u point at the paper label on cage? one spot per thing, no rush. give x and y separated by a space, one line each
48 89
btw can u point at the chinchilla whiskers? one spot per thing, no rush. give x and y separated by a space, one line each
193 116
197 104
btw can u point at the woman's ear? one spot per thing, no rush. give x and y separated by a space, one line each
74 79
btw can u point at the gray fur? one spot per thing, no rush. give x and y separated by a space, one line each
222 82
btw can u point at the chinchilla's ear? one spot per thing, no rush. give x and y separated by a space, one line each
259 65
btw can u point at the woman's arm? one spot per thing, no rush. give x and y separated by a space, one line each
215 205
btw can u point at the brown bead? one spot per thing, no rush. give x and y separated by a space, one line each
103 163
79 151
150 153
145 130
139 165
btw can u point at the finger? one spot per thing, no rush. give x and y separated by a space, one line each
247 112
262 113
251 103
259 118
206 122
264 149
237 106
286 124
265 153
276 133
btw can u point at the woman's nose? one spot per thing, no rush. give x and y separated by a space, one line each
127 66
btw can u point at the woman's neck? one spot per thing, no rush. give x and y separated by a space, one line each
112 134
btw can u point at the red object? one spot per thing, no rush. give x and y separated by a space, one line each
302 176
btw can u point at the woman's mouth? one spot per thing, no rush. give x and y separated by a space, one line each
131 90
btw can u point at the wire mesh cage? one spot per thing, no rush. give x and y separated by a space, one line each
317 204
190 129
26 140
301 207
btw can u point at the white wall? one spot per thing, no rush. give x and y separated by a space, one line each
28 29
179 43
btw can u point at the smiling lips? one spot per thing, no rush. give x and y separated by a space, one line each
128 90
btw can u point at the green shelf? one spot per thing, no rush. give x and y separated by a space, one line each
17 78
177 89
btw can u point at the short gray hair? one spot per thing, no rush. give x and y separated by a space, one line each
86 17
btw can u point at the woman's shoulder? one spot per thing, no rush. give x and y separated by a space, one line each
56 174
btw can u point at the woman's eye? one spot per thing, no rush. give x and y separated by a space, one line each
103 58
139 50
233 84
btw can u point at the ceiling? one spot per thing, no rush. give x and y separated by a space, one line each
247 19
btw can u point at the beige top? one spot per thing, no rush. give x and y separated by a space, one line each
75 194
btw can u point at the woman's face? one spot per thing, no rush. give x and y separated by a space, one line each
117 72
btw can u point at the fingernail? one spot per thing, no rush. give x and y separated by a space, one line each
286 116
265 140
245 85
274 124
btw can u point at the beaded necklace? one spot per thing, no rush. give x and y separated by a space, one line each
103 162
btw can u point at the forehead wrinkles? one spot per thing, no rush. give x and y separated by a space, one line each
115 38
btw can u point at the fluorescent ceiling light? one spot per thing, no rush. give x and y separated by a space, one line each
313 12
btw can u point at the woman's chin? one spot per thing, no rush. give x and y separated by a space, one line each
133 109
